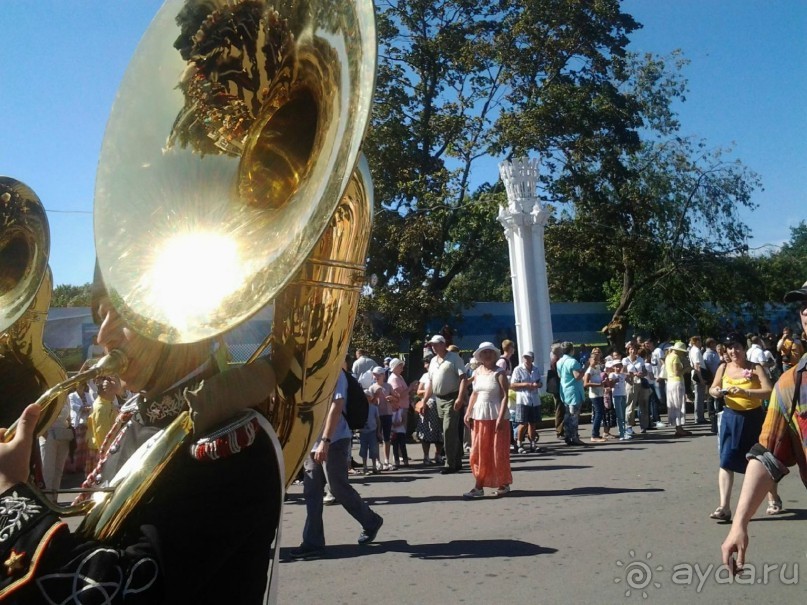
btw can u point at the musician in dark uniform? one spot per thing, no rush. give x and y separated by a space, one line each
202 534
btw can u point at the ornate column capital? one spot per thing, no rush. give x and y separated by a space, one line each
520 178
540 215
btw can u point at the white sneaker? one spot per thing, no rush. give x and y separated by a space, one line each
504 489
474 493
660 425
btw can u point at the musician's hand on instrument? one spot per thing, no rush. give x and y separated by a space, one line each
211 402
15 456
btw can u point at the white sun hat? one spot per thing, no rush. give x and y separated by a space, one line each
485 346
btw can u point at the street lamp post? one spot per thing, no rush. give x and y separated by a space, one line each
523 220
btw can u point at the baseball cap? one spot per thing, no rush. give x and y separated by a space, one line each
379 370
437 338
799 295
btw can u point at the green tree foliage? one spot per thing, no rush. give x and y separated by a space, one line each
459 80
71 296
664 216
783 270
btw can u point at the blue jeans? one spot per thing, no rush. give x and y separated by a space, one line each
652 405
598 409
661 394
570 422
619 408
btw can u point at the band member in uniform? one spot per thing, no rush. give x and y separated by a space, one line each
202 536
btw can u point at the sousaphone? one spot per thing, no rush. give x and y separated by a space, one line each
27 367
229 177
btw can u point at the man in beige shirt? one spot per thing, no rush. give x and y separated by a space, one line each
447 383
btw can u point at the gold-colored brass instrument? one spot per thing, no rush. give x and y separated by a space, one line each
229 177
27 367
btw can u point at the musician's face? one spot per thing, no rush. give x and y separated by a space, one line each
142 353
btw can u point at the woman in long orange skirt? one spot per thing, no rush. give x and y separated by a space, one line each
489 418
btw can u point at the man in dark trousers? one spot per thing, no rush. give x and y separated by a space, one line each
329 461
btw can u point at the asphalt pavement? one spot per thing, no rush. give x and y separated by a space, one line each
607 523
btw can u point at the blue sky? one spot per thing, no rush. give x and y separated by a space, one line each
62 62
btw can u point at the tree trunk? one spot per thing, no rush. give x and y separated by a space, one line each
617 328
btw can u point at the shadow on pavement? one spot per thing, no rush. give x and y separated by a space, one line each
456 549
516 493
550 467
579 491
789 514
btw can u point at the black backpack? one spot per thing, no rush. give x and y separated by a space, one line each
356 405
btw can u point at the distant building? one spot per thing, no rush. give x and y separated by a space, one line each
495 321
70 332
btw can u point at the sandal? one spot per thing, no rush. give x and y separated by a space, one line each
721 514
774 507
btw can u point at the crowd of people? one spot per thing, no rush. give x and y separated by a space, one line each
487 408
727 384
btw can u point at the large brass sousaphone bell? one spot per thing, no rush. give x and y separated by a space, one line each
229 177
233 137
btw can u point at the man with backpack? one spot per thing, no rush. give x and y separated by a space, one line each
330 458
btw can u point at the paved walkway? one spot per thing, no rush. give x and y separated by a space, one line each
606 523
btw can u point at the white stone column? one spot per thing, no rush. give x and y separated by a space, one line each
523 220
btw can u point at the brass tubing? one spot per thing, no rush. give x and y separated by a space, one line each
113 363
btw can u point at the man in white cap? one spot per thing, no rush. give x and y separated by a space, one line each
526 381
781 445
447 383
